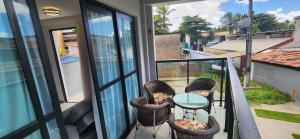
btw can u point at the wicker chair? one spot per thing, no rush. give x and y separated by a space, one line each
158 86
204 84
213 128
150 114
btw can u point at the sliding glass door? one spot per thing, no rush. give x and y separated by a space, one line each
128 51
112 51
28 110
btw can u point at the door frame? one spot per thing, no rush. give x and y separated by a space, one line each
92 4
62 83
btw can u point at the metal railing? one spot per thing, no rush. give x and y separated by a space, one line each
239 122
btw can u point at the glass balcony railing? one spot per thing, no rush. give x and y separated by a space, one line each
236 120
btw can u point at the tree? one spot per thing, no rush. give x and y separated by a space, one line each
161 20
264 22
194 26
229 21
285 25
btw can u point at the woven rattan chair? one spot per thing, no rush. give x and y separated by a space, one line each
150 114
154 86
213 128
204 84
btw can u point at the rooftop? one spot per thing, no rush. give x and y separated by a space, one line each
284 57
258 44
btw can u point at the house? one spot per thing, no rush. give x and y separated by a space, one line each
115 42
235 45
280 67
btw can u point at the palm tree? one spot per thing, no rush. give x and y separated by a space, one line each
161 19
228 21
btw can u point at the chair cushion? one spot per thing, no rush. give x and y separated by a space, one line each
160 97
189 124
204 93
78 111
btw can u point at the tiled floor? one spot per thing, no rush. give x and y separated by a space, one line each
163 132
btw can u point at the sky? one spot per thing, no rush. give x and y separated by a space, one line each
213 10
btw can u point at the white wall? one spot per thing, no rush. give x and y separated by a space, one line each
67 22
281 78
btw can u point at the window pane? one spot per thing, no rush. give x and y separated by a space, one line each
103 42
113 110
126 42
132 91
53 129
34 135
15 105
30 41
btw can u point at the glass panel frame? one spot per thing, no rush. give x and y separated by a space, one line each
15 102
40 122
107 133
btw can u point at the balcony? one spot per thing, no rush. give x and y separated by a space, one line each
231 109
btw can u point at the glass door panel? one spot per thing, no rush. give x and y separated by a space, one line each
30 41
15 104
125 24
132 91
25 102
113 110
103 41
113 61
126 34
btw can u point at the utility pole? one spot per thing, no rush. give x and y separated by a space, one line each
249 46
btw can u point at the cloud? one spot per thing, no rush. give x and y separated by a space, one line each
101 19
210 10
4 35
282 16
245 2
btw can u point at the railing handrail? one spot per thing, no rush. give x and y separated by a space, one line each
245 121
188 60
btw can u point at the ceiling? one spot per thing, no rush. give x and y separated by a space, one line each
68 7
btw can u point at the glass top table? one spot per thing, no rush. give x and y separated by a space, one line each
190 101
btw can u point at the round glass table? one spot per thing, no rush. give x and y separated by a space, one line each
190 101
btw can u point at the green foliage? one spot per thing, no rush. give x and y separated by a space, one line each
261 93
268 22
285 25
213 76
229 21
296 136
283 116
194 26
265 22
161 20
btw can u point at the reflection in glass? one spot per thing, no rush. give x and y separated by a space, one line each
126 42
34 135
53 129
16 109
31 44
132 91
113 110
104 47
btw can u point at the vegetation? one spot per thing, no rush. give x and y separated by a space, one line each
283 116
212 75
262 22
261 93
161 20
194 26
296 136
229 21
